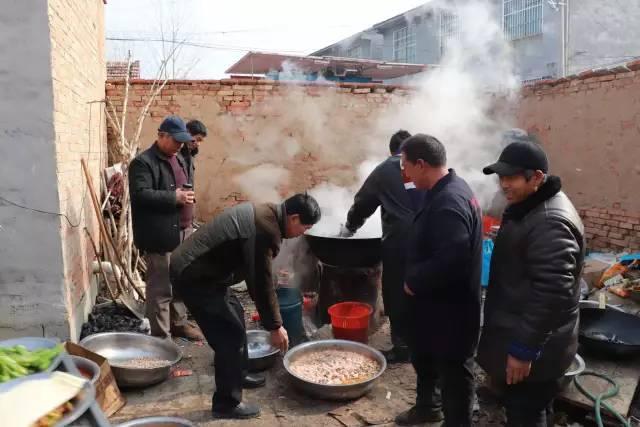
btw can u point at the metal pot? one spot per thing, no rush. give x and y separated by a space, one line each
577 367
88 366
349 252
334 392
158 422
120 347
609 333
262 354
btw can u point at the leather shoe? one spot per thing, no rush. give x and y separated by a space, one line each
253 381
396 355
419 415
243 411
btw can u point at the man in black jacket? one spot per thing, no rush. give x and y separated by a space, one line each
531 312
442 285
385 188
238 244
162 213
190 150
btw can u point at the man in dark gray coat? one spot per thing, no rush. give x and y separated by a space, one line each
238 244
398 200
530 333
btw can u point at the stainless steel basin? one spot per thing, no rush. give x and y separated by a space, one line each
158 422
120 347
262 354
334 392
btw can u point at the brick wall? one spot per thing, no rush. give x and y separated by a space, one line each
590 126
78 71
251 122
117 70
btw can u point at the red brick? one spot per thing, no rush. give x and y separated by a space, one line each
618 242
595 221
634 65
626 225
615 235
612 223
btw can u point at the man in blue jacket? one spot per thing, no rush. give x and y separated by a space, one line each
442 284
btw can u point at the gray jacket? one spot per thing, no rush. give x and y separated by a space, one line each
386 188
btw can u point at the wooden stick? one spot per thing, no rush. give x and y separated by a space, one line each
123 121
104 275
119 284
103 229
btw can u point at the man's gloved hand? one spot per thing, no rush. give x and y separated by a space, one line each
345 232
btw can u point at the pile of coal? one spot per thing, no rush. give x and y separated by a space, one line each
111 317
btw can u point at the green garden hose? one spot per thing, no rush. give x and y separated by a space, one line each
599 401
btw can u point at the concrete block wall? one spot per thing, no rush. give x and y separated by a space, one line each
31 269
51 104
78 73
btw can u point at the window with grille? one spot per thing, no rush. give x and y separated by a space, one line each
354 52
449 29
522 18
404 45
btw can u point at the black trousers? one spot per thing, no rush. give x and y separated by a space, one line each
530 404
393 270
221 317
456 380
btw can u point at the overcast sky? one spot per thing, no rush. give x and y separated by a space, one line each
231 28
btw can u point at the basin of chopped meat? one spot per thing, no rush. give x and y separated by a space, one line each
334 367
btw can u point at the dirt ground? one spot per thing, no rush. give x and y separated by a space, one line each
282 405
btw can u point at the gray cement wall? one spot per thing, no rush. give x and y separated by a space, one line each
602 33
31 268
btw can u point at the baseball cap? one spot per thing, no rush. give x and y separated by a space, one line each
518 157
174 126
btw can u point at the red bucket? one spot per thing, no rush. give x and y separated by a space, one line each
488 222
350 321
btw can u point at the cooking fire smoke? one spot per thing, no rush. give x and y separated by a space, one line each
465 101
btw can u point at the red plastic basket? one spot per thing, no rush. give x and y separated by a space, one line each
350 321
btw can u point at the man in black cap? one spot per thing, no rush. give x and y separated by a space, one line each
530 328
162 211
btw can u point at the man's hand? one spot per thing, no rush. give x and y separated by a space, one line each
345 232
280 339
408 291
185 197
517 370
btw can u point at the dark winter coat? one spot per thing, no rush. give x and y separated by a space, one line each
531 309
238 244
155 212
385 188
443 271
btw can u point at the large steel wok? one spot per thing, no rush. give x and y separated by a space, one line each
609 332
351 252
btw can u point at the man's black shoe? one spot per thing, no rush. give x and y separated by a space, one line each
243 411
419 415
396 355
253 381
